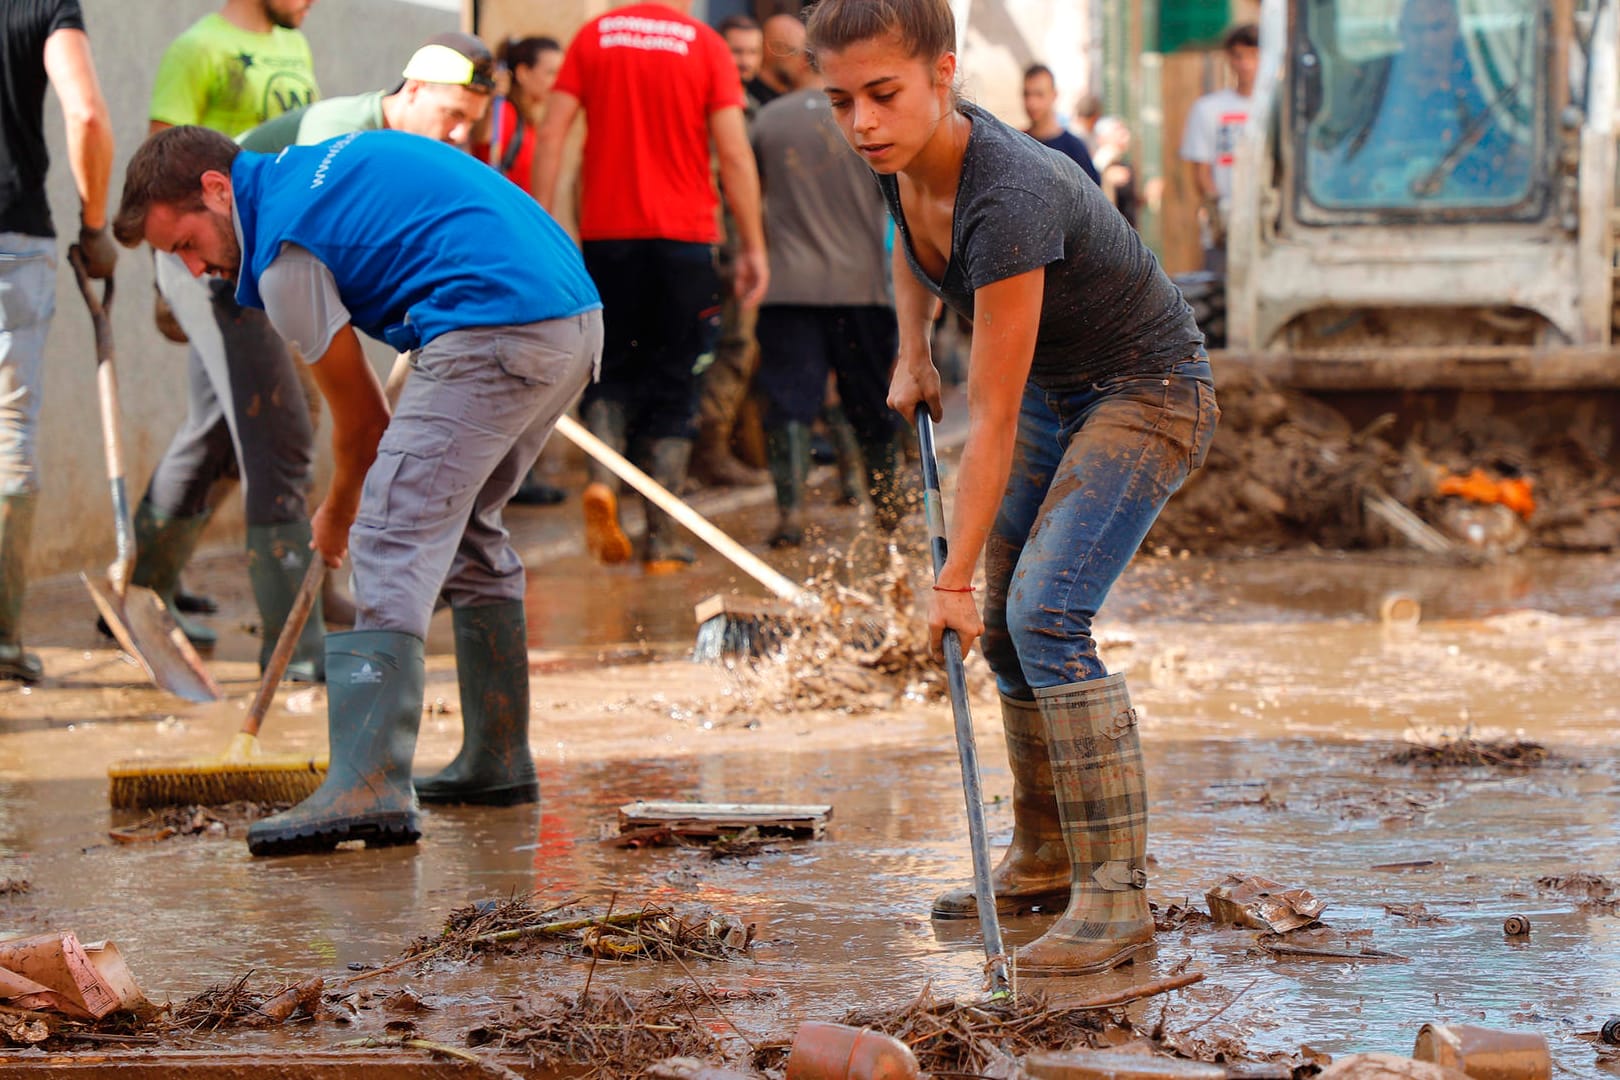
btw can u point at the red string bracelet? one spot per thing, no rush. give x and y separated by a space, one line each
968 589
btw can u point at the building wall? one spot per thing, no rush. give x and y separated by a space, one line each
358 45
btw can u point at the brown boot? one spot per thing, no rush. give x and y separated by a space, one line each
714 465
1034 870
1102 801
604 536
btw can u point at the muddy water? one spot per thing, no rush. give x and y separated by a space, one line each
1270 696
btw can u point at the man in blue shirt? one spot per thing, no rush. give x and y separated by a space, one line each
1045 126
389 233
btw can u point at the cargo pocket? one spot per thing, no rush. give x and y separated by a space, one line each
399 489
533 362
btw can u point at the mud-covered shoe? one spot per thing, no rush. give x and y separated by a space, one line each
494 766
661 552
604 536
1034 870
374 693
19 665
787 449
1102 803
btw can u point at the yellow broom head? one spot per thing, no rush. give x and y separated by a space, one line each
145 785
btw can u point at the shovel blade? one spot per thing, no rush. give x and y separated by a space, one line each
145 629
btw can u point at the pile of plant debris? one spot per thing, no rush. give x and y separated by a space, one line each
1590 890
230 819
1465 749
1289 470
608 1033
527 923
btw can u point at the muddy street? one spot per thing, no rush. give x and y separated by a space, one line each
1274 700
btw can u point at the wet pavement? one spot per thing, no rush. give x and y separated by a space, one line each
1271 697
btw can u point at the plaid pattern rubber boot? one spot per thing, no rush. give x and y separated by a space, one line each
1102 802
1034 870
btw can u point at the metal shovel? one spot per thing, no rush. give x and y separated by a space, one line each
956 678
137 616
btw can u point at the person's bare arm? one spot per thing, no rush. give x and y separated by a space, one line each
359 418
72 72
549 137
739 180
1006 320
915 380
1203 179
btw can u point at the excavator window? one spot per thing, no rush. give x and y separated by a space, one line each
1418 106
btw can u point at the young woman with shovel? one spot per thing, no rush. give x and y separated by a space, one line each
1090 400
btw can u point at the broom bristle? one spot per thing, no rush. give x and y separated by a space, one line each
736 635
147 786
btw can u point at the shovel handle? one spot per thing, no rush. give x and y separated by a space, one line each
966 749
112 438
291 631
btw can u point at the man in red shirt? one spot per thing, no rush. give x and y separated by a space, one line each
657 86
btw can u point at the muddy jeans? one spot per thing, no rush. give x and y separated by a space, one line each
246 411
474 414
27 302
1091 471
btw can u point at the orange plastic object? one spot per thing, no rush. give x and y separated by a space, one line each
824 1051
1515 494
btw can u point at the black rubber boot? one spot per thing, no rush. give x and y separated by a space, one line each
16 527
851 475
163 546
278 556
374 693
662 552
494 767
788 450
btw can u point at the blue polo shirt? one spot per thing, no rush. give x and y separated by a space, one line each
421 239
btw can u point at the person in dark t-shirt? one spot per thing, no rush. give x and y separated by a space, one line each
1040 103
41 42
1091 401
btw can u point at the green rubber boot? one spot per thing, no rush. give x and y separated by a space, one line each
494 767
662 551
787 450
851 476
16 526
374 693
278 556
884 483
163 546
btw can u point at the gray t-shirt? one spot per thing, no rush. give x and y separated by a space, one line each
1108 309
824 216
301 298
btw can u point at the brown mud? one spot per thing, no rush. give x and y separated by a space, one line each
1272 698
1290 470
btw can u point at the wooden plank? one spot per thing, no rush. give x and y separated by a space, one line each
717 819
1186 76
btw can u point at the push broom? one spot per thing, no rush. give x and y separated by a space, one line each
242 773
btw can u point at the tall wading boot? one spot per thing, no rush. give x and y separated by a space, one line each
788 451
16 527
662 552
847 454
1034 870
885 484
163 546
604 535
494 767
278 556
374 707
1102 803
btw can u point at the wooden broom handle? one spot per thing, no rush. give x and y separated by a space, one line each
291 631
660 496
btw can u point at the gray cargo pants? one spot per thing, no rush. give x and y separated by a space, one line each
247 412
474 414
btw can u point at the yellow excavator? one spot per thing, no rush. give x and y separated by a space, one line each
1422 225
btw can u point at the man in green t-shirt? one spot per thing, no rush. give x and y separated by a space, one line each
443 92
248 413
